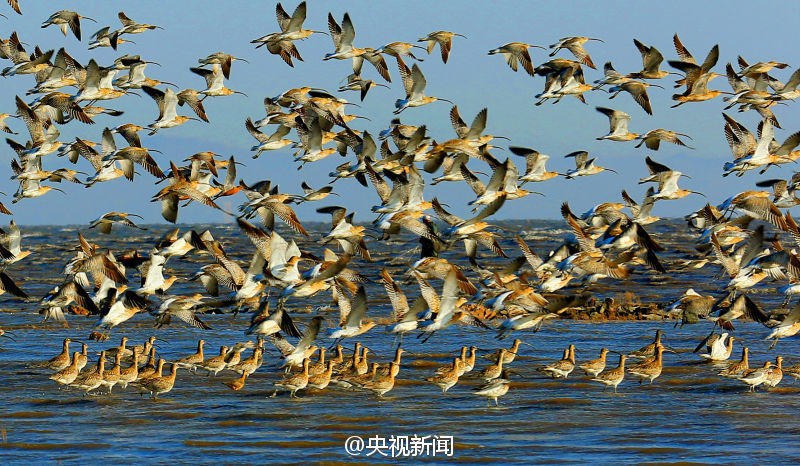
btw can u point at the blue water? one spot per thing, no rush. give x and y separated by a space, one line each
688 414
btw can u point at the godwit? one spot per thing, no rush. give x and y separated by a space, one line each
613 377
595 366
92 379
756 377
131 373
649 350
562 367
443 38
775 374
59 361
738 368
495 370
448 378
321 380
68 374
493 390
191 361
649 369
295 382
382 384
215 364
160 385
238 383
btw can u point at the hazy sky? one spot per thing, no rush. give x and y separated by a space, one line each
471 78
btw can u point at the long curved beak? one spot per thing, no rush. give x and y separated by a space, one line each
170 84
697 192
8 335
242 59
448 101
609 169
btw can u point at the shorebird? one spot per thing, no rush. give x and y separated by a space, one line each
105 222
215 81
775 374
667 180
618 122
613 377
160 384
788 327
446 379
719 347
652 139
493 390
216 363
575 45
382 384
443 38
535 170
562 367
295 382
91 380
651 60
649 369
130 26
583 165
755 377
68 374
167 102
517 52
595 366
637 90
738 368
649 350
414 83
191 361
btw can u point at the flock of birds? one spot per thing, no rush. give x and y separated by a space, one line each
609 242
